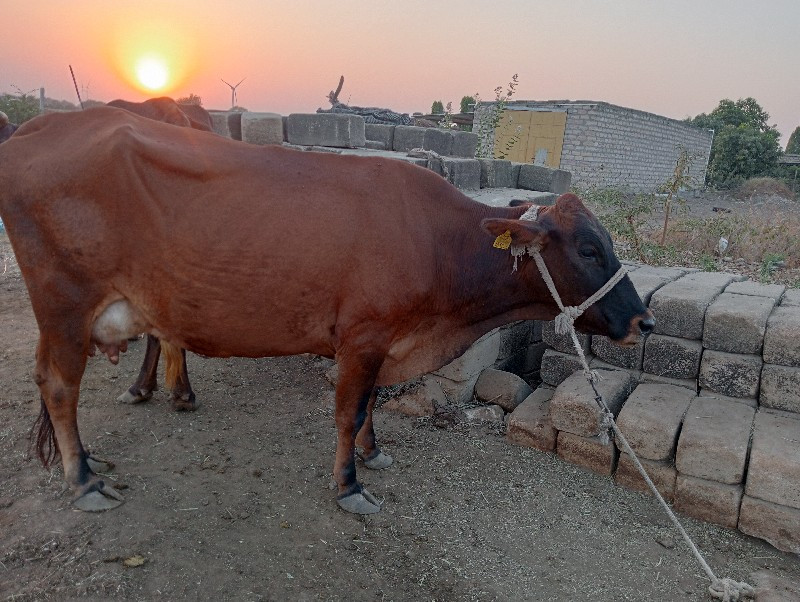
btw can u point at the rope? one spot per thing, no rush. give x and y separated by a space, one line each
727 590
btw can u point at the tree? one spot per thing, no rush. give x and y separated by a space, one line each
192 99
437 108
19 107
793 146
467 104
744 145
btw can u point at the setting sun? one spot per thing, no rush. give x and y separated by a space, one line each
153 56
152 72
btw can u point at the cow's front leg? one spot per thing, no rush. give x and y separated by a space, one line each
355 389
371 454
147 381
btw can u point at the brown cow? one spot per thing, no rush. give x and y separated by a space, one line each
262 251
177 375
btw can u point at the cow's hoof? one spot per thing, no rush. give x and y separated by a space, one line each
184 405
360 503
99 499
131 398
97 465
378 460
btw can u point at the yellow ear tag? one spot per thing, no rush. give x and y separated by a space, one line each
503 241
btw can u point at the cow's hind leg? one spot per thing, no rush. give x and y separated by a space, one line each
177 376
371 454
59 368
147 381
354 391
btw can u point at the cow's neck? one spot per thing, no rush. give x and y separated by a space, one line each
485 288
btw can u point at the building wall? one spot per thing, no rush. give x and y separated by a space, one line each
610 146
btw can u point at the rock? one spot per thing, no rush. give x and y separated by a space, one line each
504 389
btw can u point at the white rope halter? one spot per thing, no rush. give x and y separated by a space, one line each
727 590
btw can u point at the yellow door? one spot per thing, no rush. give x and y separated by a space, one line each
531 137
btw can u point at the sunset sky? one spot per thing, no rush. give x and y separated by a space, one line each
676 58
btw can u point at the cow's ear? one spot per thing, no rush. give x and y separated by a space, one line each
516 232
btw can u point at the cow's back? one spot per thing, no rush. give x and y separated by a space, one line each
238 246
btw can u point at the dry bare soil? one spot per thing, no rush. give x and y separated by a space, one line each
234 502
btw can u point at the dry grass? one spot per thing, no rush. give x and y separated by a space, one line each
756 187
750 237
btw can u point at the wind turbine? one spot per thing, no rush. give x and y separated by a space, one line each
233 90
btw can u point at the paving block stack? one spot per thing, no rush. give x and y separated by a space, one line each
710 402
450 152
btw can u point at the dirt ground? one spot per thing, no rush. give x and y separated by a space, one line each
235 501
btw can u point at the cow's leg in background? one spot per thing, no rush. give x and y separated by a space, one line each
354 391
60 364
371 454
177 377
147 381
182 397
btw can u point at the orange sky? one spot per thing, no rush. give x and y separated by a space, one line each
675 59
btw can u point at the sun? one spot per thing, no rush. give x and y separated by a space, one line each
152 72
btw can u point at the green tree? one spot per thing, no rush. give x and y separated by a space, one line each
793 146
19 107
744 145
467 104
437 108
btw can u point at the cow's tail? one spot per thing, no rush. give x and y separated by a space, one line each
45 438
173 363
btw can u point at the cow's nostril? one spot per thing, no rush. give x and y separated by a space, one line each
647 324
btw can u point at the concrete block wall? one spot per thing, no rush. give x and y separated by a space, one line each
342 133
611 146
710 402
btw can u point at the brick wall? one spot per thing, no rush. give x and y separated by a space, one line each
610 146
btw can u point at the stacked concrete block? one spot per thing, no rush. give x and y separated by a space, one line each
557 367
771 504
730 374
458 378
780 378
438 140
326 129
672 357
578 419
791 298
546 179
463 173
608 351
530 424
651 421
711 460
515 338
496 173
589 452
563 342
262 128
227 123
680 306
381 134
736 323
407 137
465 144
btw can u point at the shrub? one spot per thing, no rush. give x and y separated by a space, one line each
763 186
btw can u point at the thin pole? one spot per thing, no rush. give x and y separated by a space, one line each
76 86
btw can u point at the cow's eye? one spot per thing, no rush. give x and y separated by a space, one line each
588 252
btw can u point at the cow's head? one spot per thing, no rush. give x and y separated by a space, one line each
580 257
